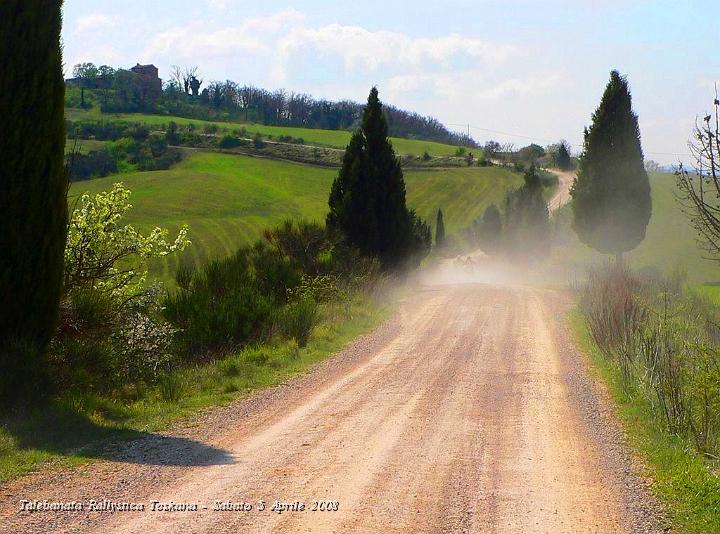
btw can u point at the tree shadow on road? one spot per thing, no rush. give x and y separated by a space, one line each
66 432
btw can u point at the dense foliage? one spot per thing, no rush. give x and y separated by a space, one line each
488 229
270 288
562 158
33 185
367 199
110 330
611 195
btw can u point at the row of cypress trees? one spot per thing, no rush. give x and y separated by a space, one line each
33 187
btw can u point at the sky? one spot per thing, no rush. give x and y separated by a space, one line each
517 71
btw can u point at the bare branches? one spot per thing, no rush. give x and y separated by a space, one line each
700 187
186 78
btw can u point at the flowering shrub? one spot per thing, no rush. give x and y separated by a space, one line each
106 255
111 330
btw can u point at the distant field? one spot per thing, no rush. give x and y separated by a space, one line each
229 200
669 243
332 138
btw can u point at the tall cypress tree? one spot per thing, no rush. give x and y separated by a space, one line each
33 184
611 195
439 230
367 200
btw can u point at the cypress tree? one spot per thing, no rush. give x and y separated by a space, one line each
367 199
439 230
563 157
33 185
491 225
611 195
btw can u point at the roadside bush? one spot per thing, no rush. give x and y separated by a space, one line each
111 330
614 313
273 286
297 319
229 302
664 340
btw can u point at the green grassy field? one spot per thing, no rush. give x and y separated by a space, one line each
229 200
313 136
669 243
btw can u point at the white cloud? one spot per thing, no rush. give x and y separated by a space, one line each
284 37
474 85
363 49
194 42
95 21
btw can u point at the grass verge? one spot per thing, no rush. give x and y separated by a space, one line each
686 483
73 430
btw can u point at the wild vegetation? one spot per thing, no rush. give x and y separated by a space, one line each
299 210
656 337
201 128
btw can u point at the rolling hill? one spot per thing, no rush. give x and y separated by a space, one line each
312 136
228 200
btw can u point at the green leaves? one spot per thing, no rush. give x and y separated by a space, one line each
107 255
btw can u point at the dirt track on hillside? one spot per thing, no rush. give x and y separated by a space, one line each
561 196
470 411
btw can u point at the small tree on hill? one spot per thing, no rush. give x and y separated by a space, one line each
611 195
367 199
33 186
440 230
562 159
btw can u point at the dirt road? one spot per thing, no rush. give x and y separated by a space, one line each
469 411
561 196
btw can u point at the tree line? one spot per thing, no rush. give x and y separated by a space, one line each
120 91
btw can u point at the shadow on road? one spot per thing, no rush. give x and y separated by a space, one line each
65 432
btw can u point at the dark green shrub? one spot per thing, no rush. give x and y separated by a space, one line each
258 141
231 302
297 319
229 141
95 164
